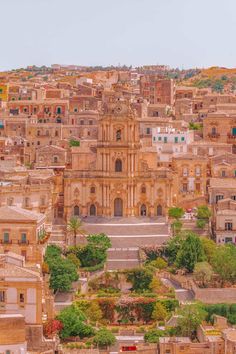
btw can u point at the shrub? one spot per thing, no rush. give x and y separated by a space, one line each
153 336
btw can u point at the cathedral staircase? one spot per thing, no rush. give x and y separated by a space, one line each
58 235
122 258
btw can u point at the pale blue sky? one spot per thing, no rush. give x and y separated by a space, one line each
183 33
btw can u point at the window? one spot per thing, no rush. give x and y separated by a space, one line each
10 201
165 139
118 165
21 297
92 190
148 131
90 122
8 352
234 131
223 173
198 171
75 109
2 296
38 133
159 138
118 135
219 197
56 133
228 226
55 159
143 189
27 202
23 237
182 138
176 139
185 171
6 237
228 240
213 131
233 197
58 110
42 201
82 122
185 187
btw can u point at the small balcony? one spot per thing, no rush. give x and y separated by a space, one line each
23 242
231 138
6 242
213 135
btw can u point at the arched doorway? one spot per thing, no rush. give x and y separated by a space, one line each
118 207
143 210
159 210
92 211
76 210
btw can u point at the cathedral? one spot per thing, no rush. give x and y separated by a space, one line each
116 175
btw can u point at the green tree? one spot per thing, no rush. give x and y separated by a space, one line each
101 240
190 317
62 273
209 247
224 263
159 312
104 338
190 253
73 323
158 263
203 212
175 212
72 257
91 255
94 312
153 335
155 285
203 272
176 227
140 279
74 226
201 223
173 246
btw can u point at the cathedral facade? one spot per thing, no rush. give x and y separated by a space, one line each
116 175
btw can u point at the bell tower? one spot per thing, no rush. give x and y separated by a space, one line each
117 155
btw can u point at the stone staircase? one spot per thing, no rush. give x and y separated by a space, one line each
58 235
122 258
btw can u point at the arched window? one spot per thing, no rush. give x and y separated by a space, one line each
213 130
76 210
92 210
118 135
55 159
58 110
143 210
118 165
143 189
92 190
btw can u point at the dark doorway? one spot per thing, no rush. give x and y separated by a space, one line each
159 210
143 210
118 207
92 210
76 210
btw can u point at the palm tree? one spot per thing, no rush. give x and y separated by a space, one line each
74 226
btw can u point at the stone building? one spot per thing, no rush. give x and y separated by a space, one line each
20 232
114 175
25 302
157 90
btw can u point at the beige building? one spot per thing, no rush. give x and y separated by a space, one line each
116 176
25 303
20 232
